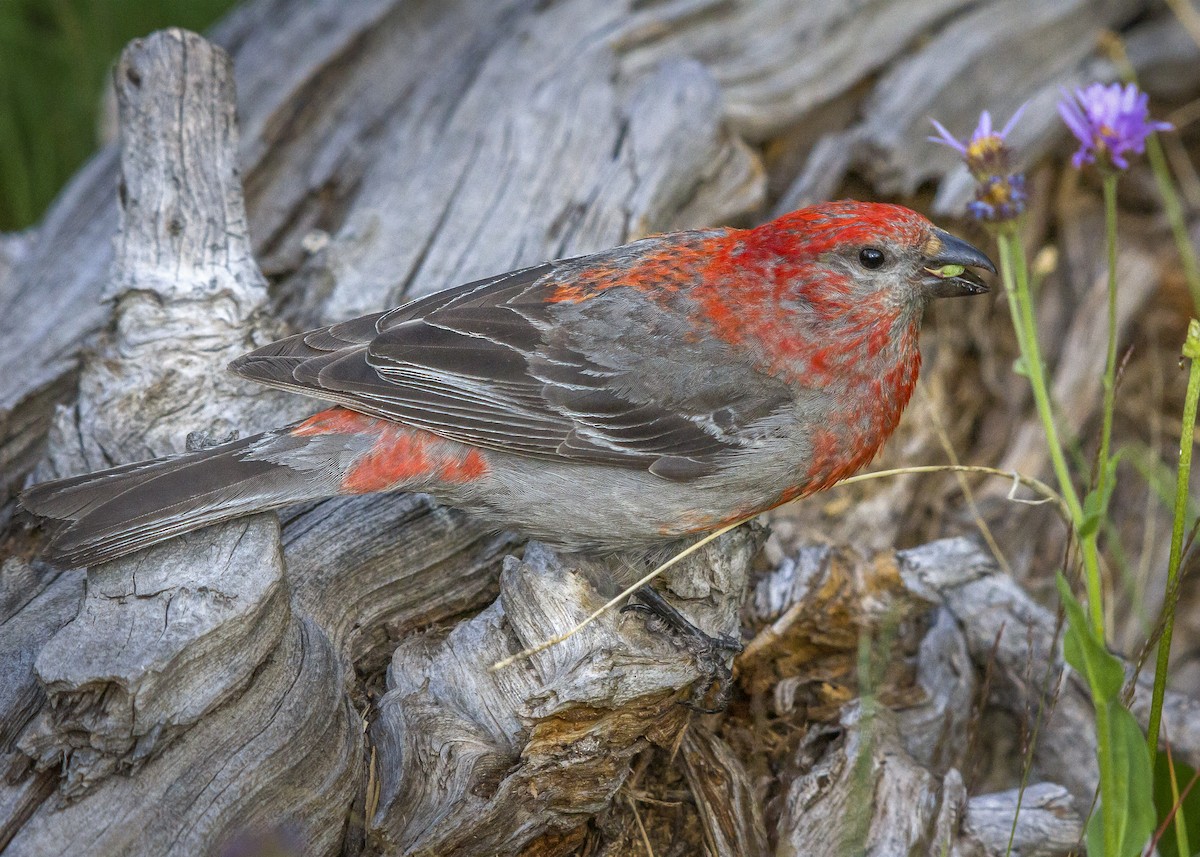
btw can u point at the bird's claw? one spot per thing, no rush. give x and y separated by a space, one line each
639 607
715 681
710 652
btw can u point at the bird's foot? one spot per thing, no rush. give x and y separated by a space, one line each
711 693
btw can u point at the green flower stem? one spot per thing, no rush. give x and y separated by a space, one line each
1014 272
1091 554
1015 275
1174 212
1110 362
1191 350
1108 780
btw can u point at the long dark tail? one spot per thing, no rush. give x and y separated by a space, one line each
105 515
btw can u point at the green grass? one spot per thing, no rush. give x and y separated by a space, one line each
55 56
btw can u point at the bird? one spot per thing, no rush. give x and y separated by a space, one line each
613 401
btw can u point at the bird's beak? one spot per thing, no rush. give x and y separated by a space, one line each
947 260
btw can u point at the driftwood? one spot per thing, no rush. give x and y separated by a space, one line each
228 688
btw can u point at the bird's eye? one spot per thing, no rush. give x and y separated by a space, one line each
871 258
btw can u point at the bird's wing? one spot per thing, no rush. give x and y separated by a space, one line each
504 363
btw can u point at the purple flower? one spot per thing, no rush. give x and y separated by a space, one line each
999 192
999 198
1108 121
986 152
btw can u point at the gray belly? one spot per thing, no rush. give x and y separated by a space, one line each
599 508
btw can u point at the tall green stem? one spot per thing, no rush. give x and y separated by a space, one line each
1191 350
1014 272
1015 275
1108 780
1110 364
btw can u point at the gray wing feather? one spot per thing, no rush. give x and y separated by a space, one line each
490 364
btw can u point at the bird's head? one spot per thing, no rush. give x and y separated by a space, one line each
837 287
851 257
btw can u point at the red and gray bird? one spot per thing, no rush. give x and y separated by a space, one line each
613 401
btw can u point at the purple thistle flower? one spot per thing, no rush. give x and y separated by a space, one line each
999 192
1108 121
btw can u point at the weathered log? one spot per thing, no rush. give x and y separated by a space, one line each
185 665
31 612
983 624
462 749
1021 641
855 788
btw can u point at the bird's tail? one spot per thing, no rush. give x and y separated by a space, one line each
105 515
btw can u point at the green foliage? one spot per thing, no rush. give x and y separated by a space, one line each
1132 795
1164 801
1128 793
1095 504
1126 818
54 55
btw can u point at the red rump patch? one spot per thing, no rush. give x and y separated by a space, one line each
399 457
335 421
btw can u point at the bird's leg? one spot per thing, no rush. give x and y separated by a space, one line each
711 653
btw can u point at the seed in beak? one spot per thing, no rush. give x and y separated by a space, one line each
946 271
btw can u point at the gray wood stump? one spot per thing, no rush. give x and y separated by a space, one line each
319 682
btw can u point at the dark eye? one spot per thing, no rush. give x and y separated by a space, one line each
871 257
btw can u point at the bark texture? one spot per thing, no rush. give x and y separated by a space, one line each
320 682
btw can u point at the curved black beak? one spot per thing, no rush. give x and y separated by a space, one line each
945 253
